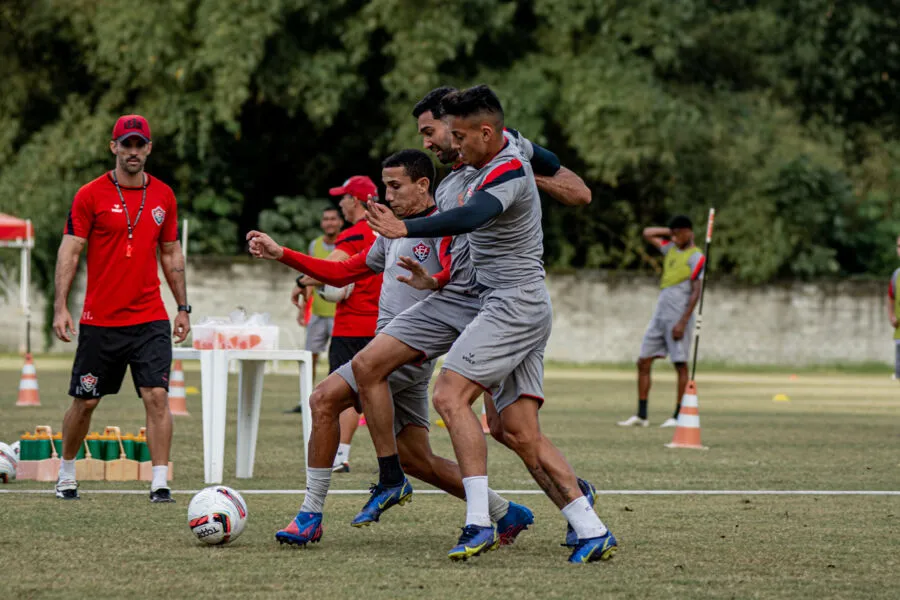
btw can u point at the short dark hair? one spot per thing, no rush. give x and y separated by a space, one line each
416 163
332 209
681 222
432 102
472 101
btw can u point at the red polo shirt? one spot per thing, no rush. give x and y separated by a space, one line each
123 291
357 316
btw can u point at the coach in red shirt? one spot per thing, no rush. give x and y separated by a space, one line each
355 317
124 217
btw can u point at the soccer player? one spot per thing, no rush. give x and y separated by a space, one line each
356 316
407 176
123 217
672 324
502 349
893 311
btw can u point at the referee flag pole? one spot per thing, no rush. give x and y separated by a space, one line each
687 430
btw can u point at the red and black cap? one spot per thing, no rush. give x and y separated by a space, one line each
129 126
359 186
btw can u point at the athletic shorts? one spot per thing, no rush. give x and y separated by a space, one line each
897 359
659 343
104 353
318 332
343 349
432 325
409 391
502 349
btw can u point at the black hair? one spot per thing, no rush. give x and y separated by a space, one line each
474 100
432 102
681 222
416 163
332 209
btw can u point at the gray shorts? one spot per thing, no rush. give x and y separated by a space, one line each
897 359
318 332
658 341
434 324
502 349
409 390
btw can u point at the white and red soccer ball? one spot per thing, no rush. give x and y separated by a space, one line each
217 515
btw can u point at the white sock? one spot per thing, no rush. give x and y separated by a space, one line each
477 512
343 454
160 477
317 483
583 519
67 470
498 506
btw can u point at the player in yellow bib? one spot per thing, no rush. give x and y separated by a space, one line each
670 329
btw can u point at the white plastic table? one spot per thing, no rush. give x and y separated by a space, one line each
214 393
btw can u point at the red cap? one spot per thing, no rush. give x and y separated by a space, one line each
129 125
358 186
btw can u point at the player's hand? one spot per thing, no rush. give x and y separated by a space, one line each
263 246
301 321
296 294
383 221
894 321
418 277
678 330
63 325
182 327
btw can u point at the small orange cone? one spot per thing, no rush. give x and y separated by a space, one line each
687 431
484 424
177 397
362 421
28 385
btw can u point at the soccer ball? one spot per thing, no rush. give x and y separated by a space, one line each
9 459
335 294
217 515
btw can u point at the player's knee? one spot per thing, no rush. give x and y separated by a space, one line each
523 440
644 364
85 407
321 405
446 401
496 427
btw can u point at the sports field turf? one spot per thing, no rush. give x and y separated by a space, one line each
838 432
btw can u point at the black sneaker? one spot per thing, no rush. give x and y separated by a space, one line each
67 490
161 495
293 411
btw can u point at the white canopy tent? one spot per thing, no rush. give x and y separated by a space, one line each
18 233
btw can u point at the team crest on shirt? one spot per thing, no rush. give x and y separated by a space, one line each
421 251
89 382
159 215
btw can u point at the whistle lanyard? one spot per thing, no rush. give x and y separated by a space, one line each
125 208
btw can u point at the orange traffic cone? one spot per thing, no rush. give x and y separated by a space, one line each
687 430
28 385
484 424
177 397
362 421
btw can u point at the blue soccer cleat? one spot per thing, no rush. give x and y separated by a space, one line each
593 549
590 492
305 528
515 521
474 540
382 498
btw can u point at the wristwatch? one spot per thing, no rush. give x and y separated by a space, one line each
184 308
298 280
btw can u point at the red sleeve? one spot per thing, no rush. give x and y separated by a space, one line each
891 290
169 231
443 276
81 215
698 268
332 272
356 239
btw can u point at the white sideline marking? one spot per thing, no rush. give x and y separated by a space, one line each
522 492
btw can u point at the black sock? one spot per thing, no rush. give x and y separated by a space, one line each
390 473
677 410
642 409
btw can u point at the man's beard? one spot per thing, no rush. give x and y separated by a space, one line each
132 168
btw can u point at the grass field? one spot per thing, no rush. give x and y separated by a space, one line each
838 432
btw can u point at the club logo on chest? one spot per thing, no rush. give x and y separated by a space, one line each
421 251
159 215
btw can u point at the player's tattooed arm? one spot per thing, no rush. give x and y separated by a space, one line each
172 259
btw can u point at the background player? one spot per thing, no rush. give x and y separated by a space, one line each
893 311
672 324
124 217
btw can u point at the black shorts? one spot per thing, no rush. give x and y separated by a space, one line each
343 349
104 352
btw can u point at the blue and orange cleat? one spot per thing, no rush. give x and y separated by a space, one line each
474 540
515 521
305 528
590 492
382 498
593 549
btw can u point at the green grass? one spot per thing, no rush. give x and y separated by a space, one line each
837 432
